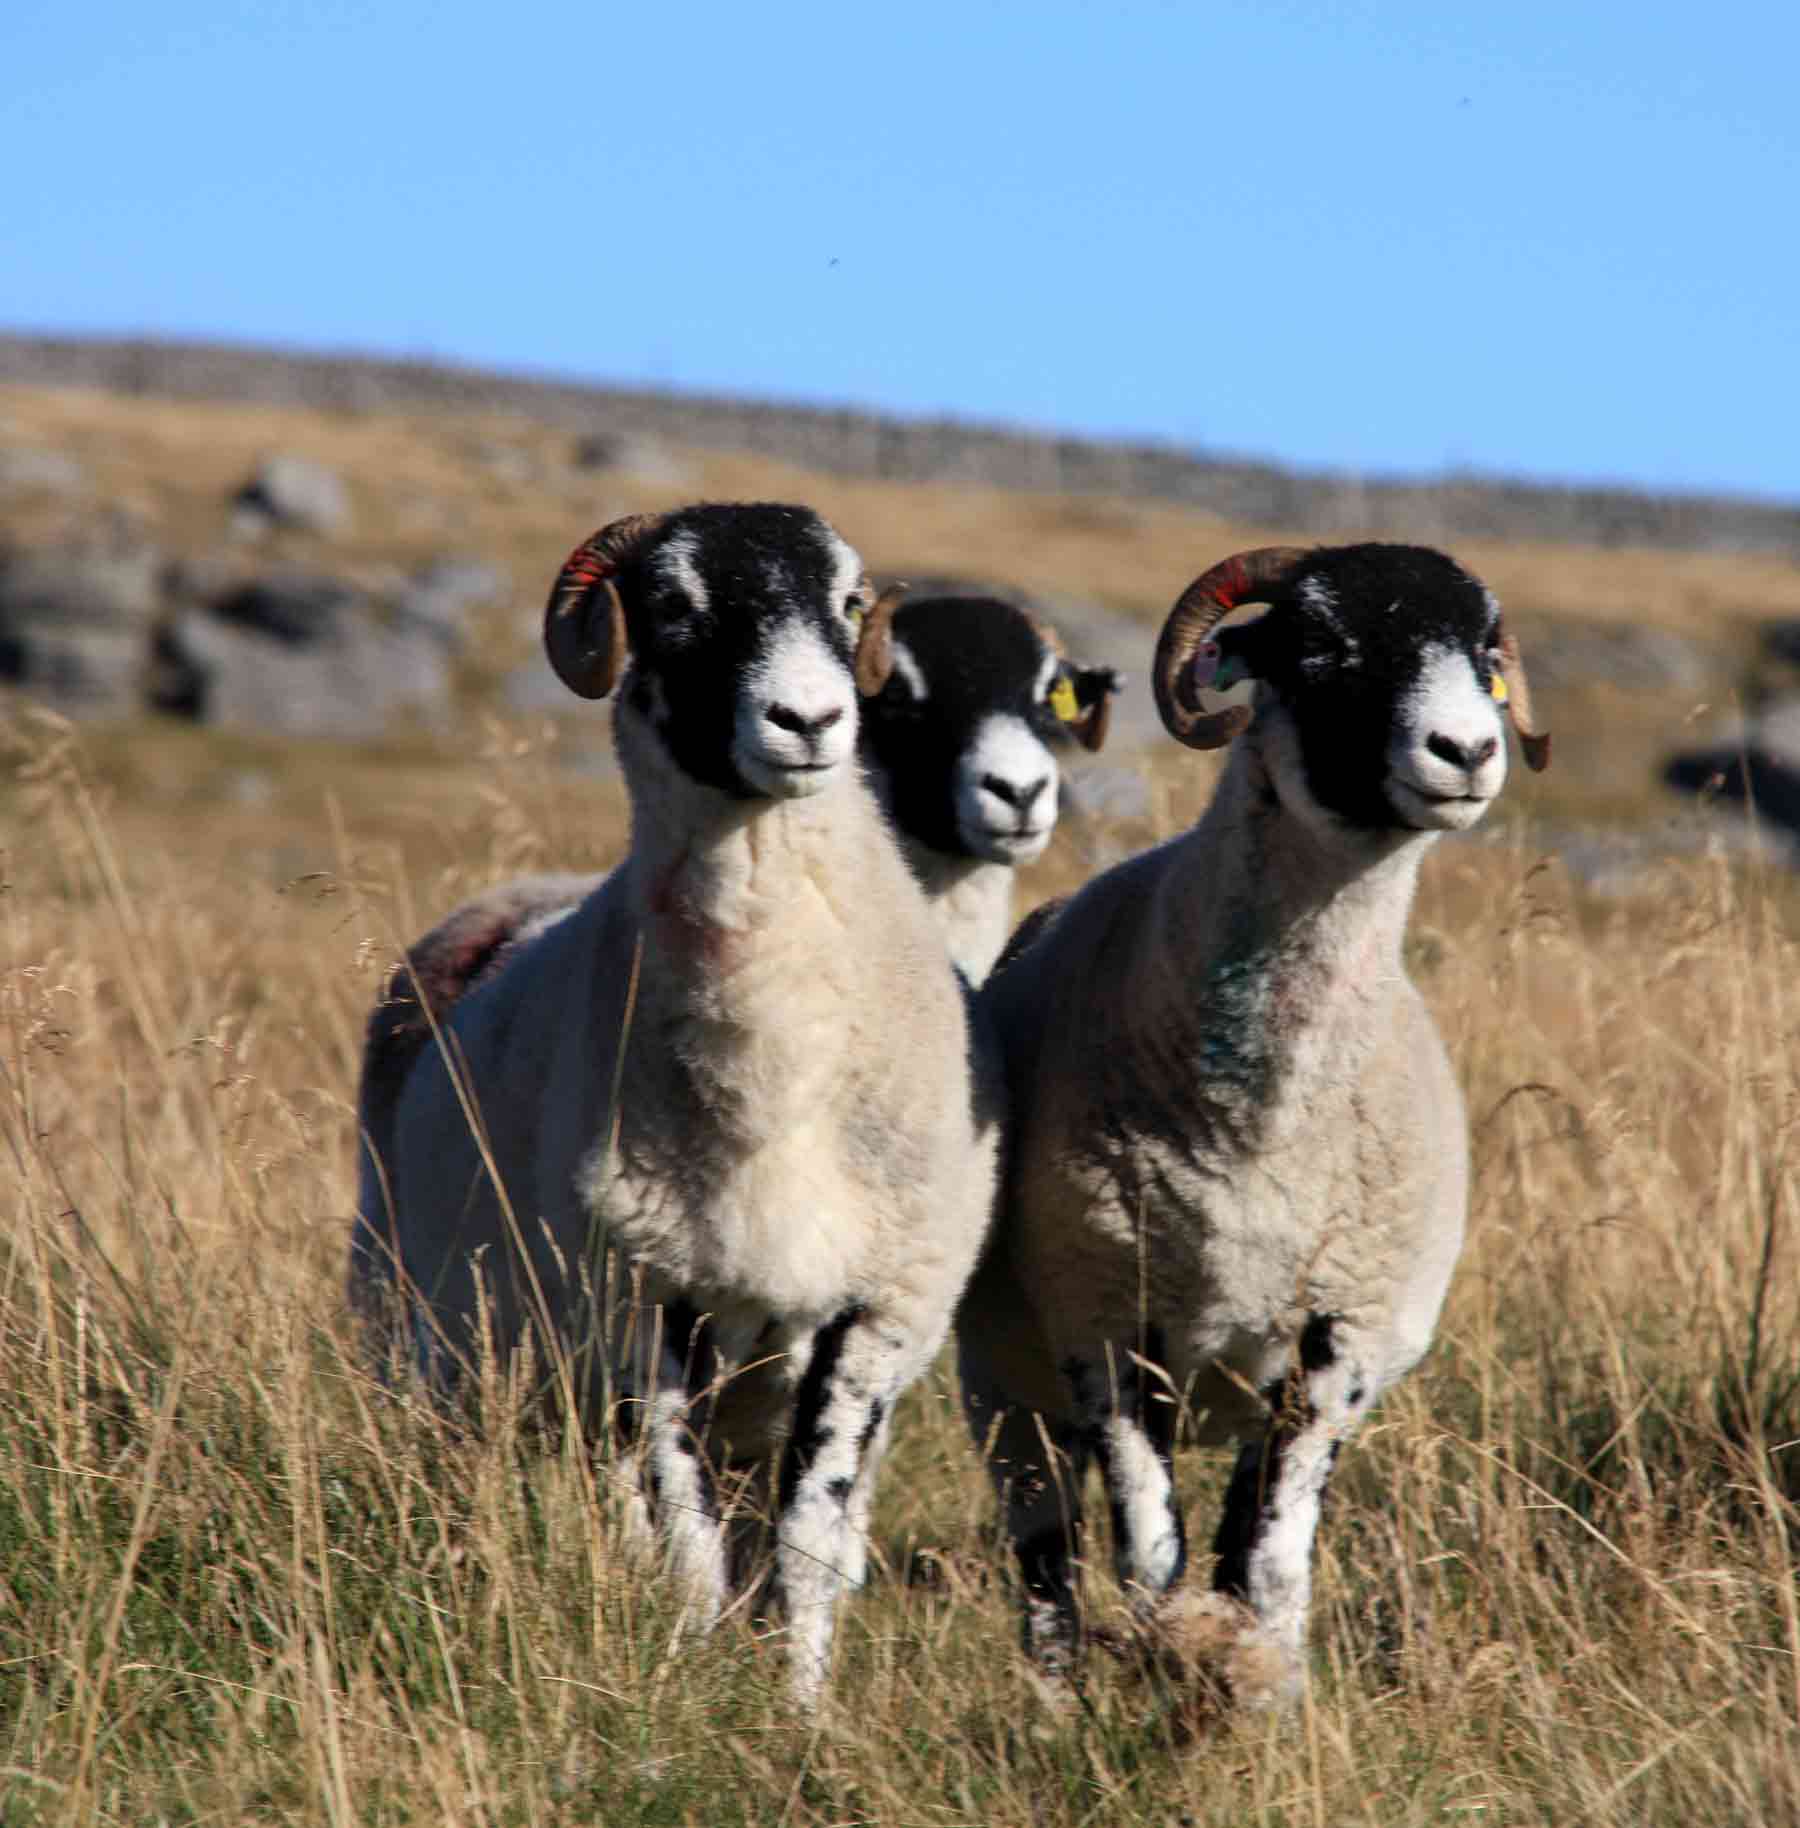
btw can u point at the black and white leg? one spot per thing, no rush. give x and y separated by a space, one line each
1128 1411
1038 1468
1277 1490
841 1413
674 1475
862 1502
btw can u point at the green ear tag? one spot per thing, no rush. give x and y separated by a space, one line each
1062 699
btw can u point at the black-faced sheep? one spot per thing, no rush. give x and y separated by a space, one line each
963 741
1236 1184
742 1069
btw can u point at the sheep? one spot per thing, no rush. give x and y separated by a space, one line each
1237 1170
960 742
742 1070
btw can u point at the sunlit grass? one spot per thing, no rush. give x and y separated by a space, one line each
240 1582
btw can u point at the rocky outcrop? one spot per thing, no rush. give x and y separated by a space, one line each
1756 760
301 654
101 625
1630 656
440 597
291 491
75 618
642 459
30 469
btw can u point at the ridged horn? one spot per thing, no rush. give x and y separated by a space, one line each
584 621
1199 609
875 643
1534 742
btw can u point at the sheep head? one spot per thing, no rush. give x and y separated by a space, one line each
584 621
1188 658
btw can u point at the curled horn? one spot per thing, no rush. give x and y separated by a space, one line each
586 642
1199 609
1535 742
875 643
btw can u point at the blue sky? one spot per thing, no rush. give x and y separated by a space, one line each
1546 240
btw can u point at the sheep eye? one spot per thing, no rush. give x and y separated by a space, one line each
679 622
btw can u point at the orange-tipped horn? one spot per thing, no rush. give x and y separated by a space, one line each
584 621
1199 609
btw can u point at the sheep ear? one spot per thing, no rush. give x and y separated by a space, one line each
1091 690
584 621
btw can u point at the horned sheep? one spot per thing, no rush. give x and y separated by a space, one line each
1236 1183
962 744
742 1067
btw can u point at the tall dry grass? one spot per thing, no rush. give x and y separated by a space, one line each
240 1583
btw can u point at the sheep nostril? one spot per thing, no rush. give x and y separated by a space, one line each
785 717
1009 793
1462 755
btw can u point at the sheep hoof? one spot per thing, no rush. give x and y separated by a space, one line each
1054 1689
1211 1651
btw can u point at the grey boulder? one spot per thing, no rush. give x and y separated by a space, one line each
292 491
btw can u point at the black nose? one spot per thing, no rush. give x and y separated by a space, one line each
1021 799
1464 755
785 717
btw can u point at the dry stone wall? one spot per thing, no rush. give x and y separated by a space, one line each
848 440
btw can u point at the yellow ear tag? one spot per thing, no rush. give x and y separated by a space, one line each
1497 686
1062 699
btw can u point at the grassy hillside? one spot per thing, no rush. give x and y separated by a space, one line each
1557 1578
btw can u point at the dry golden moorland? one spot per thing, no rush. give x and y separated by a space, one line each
239 1582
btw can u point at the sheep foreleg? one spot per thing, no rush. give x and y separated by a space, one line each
1129 1412
841 1417
1272 1508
